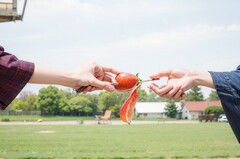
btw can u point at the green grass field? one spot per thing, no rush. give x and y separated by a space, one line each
212 140
64 118
45 118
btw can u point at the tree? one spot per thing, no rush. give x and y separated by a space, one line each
171 109
20 105
142 95
49 100
108 99
152 97
216 110
115 110
94 99
69 93
80 105
63 106
213 96
26 101
195 94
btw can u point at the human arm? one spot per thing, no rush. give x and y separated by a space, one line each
15 74
227 85
91 74
179 81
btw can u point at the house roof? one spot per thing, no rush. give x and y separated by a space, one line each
153 107
199 106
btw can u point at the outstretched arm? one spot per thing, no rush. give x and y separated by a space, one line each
179 81
92 75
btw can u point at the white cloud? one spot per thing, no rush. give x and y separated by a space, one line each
55 10
32 37
233 27
179 37
97 11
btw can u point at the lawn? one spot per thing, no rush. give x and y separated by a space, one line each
45 118
65 118
212 140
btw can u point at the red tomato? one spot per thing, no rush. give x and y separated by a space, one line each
126 81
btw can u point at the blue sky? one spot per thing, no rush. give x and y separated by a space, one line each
137 36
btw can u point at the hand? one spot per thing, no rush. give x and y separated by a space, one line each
91 75
95 77
179 81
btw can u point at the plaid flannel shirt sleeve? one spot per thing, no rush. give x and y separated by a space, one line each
14 75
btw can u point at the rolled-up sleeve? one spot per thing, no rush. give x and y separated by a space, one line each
14 75
228 88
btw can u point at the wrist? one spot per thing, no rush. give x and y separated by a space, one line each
202 78
195 77
69 79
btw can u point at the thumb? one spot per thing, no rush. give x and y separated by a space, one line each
165 73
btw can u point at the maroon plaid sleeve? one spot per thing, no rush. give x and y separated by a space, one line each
14 75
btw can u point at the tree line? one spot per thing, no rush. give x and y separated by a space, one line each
54 101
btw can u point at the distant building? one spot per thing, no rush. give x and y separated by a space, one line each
192 109
8 11
152 109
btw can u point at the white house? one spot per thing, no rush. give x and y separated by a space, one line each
152 109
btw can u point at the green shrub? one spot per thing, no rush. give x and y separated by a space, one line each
216 110
5 119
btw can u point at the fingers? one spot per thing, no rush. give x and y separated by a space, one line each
160 90
109 78
110 69
170 92
165 73
102 85
178 94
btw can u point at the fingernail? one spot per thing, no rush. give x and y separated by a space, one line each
110 88
155 84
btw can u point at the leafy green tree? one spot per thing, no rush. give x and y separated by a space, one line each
63 106
121 97
29 99
94 99
69 93
115 110
12 105
80 105
108 99
49 100
213 96
26 101
216 110
31 102
152 97
171 109
142 95
20 105
195 94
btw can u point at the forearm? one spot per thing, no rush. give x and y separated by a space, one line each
202 78
43 75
